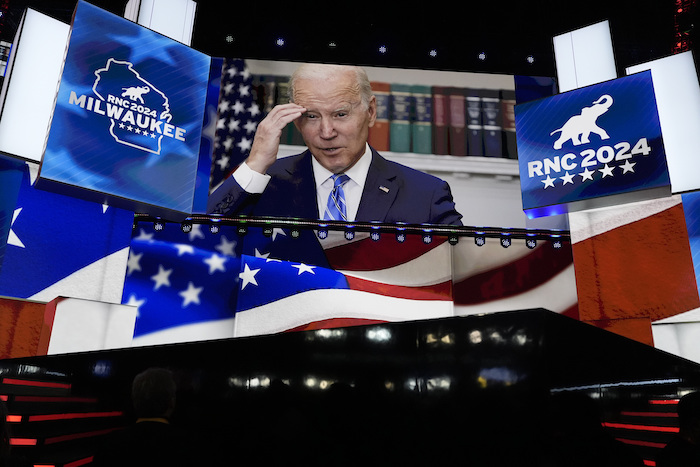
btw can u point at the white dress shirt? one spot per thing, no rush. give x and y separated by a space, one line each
254 182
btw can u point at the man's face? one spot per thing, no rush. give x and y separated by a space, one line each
336 123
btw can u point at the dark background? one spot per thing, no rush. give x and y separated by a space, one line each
508 32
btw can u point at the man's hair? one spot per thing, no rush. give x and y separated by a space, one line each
153 393
325 71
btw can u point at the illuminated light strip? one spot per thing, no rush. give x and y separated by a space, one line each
13 418
87 400
620 384
664 402
628 426
42 384
650 414
4 398
71 416
649 463
636 442
23 442
60 439
80 462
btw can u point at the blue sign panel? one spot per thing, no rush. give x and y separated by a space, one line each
580 148
127 123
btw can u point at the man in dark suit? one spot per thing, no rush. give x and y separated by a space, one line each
333 108
151 440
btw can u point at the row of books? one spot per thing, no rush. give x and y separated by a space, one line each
4 56
442 120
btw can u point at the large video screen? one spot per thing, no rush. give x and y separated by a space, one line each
426 132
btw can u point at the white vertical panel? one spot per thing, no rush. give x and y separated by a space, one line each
678 101
31 84
584 57
172 18
84 325
131 10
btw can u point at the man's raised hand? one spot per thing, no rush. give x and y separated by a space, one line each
267 136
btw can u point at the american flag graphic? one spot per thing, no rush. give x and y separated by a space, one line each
199 285
60 246
238 115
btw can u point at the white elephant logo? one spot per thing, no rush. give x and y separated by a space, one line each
579 127
135 93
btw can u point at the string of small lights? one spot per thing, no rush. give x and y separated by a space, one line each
375 229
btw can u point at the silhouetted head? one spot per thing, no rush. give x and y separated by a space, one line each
153 393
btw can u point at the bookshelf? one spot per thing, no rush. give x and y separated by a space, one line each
432 163
472 165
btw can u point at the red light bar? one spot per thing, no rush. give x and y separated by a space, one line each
88 400
71 416
636 442
664 401
628 426
59 439
22 442
650 414
79 462
41 384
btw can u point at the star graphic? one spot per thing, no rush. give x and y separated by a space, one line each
162 278
196 232
223 162
243 90
254 110
13 239
225 247
277 231
261 255
228 143
183 248
224 106
248 276
586 175
245 144
216 263
606 171
191 295
304 268
250 126
234 125
628 166
144 237
238 107
133 301
568 178
133 263
549 181
228 89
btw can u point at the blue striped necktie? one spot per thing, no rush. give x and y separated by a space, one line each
335 209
